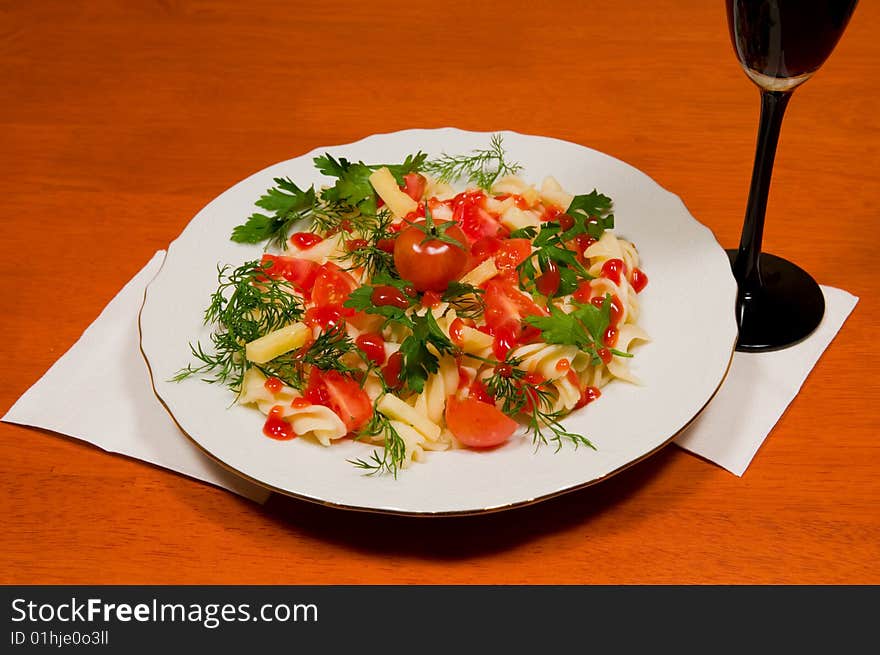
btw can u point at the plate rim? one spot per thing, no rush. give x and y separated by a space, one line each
428 513
431 513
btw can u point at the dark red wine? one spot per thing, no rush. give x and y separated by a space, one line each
786 38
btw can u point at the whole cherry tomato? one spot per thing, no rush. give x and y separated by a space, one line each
426 261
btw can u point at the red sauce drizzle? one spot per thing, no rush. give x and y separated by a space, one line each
373 346
305 240
639 280
456 331
610 337
273 385
612 270
616 312
388 295
355 244
391 372
430 299
589 395
276 427
323 316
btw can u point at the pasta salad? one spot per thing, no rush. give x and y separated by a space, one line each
424 306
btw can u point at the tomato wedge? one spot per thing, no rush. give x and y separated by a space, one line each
341 394
414 185
506 308
332 285
475 221
478 424
506 304
301 273
512 252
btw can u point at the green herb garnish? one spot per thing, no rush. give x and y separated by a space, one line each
481 167
247 304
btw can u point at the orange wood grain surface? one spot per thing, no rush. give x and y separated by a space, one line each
120 120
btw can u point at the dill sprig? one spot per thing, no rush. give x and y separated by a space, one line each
393 447
327 352
246 305
482 167
332 217
466 299
535 401
369 256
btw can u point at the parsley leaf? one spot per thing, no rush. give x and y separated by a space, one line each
592 215
288 203
584 327
412 164
353 179
563 328
361 299
352 184
418 360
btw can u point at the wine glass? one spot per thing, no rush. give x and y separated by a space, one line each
780 44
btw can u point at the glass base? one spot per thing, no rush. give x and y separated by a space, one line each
783 311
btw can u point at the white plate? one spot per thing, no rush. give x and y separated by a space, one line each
688 309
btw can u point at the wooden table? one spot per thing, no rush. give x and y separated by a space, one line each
120 120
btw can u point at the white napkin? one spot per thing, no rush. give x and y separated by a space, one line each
758 388
100 392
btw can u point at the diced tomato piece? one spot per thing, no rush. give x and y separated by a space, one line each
386 245
483 248
332 285
478 424
341 394
416 215
301 273
506 307
505 304
512 252
475 221
414 185
478 391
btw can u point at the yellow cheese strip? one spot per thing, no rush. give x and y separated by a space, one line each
396 200
269 346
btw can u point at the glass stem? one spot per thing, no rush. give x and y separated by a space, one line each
745 267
